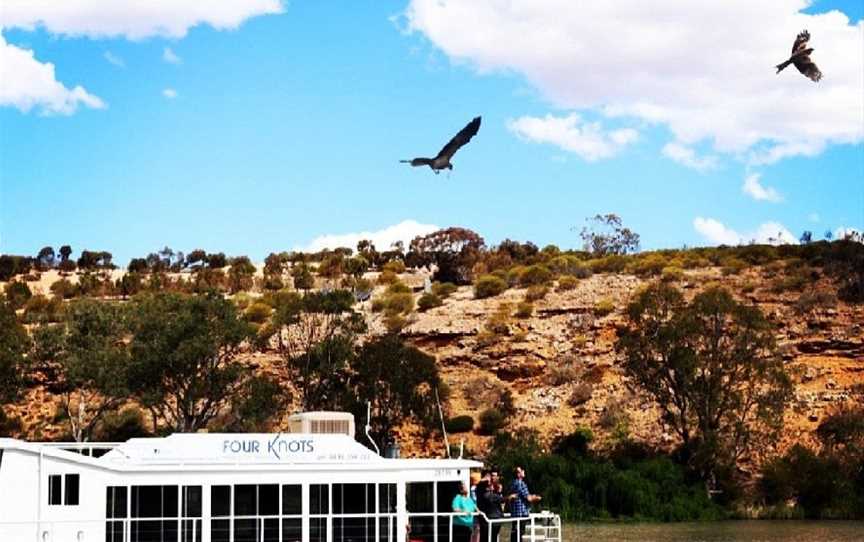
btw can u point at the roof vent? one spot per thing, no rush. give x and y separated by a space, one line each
337 423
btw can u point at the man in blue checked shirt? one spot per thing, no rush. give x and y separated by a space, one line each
520 504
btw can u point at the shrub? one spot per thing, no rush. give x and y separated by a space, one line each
121 426
603 307
535 275
513 277
17 293
387 277
443 289
429 301
64 289
524 309
748 287
609 264
459 424
39 309
258 312
536 293
672 274
581 394
570 266
488 286
498 322
649 265
567 282
809 301
614 415
396 303
562 373
733 265
395 323
398 287
491 421
792 282
394 266
273 282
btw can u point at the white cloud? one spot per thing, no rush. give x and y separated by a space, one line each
753 188
132 19
718 233
404 231
28 83
585 139
114 59
169 93
686 156
704 70
170 57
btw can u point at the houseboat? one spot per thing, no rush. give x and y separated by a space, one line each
313 484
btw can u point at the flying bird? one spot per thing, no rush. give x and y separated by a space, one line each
442 160
801 58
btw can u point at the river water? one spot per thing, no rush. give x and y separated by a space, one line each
718 531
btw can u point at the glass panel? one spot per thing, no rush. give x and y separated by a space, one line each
292 500
191 530
292 530
446 492
422 528
319 499
114 531
419 497
220 501
146 502
317 529
73 483
246 530
268 500
271 529
353 529
146 531
353 498
387 498
116 502
169 502
245 500
387 529
55 482
220 529
192 502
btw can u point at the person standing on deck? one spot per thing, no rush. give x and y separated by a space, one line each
520 504
463 524
490 501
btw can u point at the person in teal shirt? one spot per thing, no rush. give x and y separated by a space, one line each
463 524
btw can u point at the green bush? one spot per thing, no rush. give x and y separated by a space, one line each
429 301
122 426
733 265
672 274
649 265
609 264
488 286
536 293
387 277
398 288
394 266
459 424
443 289
17 293
398 303
603 307
535 275
258 312
524 309
491 421
64 289
570 266
567 282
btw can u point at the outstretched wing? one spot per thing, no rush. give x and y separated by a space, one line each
807 67
418 162
800 41
463 137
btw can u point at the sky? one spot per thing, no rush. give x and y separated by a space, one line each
262 125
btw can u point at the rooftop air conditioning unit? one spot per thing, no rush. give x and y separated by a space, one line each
339 423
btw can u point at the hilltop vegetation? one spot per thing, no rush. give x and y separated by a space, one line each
631 383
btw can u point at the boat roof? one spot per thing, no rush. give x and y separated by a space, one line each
235 451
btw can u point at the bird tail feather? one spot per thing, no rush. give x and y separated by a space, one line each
782 65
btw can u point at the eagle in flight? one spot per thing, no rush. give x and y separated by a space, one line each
442 160
801 58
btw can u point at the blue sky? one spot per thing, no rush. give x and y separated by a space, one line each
290 126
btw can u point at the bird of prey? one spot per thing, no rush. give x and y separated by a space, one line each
442 161
801 58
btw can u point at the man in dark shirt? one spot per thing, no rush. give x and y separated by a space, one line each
490 501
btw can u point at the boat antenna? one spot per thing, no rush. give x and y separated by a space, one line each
443 426
461 447
369 426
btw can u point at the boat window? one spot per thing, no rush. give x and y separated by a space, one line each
159 504
387 498
220 506
319 499
445 493
419 497
292 500
190 510
115 508
73 486
353 498
55 489
255 508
